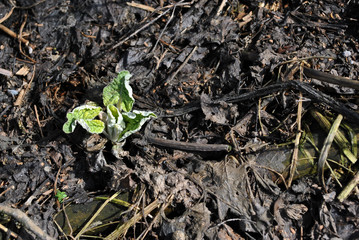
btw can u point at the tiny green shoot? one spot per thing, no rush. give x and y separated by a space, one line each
60 196
118 122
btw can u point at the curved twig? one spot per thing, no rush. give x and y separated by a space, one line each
25 220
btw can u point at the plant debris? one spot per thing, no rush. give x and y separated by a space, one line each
245 94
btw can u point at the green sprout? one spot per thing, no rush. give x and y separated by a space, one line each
60 196
118 122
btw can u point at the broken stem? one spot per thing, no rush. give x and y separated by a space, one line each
185 146
293 165
223 3
182 65
84 229
349 188
14 35
25 220
326 146
22 93
330 78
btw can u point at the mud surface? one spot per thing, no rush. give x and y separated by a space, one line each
214 72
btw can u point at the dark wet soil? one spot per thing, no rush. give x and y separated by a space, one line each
215 73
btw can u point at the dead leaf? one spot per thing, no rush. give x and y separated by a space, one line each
230 189
23 71
215 112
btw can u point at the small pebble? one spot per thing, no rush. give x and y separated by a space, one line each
347 53
179 235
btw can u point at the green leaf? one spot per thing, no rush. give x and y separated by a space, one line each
114 123
60 196
84 115
134 121
119 92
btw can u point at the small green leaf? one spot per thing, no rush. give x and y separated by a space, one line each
119 92
134 121
84 115
92 126
114 123
60 196
70 125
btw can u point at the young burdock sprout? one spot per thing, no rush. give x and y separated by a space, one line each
60 195
118 122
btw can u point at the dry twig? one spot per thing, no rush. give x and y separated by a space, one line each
349 188
14 35
142 6
182 65
7 15
84 229
330 78
22 93
20 36
293 165
38 121
223 3
122 229
25 220
6 230
163 30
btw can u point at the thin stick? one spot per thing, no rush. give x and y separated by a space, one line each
7 15
293 165
147 25
142 6
278 173
163 30
14 35
188 146
83 230
182 65
8 188
20 36
23 60
38 121
151 9
55 186
122 229
185 146
181 3
6 230
67 220
349 188
156 219
22 93
259 116
102 53
25 220
223 3
61 230
139 30
330 78
304 59
159 60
